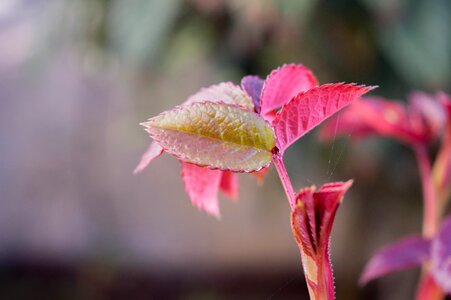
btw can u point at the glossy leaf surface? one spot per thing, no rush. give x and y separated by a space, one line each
283 84
216 135
308 109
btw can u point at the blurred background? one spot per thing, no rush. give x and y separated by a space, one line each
76 78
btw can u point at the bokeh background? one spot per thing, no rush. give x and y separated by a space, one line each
76 78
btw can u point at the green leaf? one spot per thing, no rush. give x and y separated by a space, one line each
215 135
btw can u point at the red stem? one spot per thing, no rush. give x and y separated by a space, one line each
285 179
430 217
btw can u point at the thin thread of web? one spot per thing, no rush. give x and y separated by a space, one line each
332 167
328 171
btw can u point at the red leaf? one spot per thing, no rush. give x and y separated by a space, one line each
421 122
229 184
202 186
403 254
308 109
283 84
346 122
151 153
260 175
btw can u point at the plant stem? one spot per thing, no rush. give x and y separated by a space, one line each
285 179
430 217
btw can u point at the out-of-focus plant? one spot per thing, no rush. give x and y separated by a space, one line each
225 128
417 125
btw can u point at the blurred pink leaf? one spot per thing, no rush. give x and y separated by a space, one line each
216 135
283 84
403 254
253 85
151 153
441 256
419 123
346 123
430 111
202 186
229 184
311 221
308 109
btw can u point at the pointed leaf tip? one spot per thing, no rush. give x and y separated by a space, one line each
151 153
216 135
403 254
308 109
284 83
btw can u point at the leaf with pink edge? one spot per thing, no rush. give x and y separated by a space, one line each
202 186
225 92
151 153
311 221
441 256
283 84
216 135
308 109
253 86
403 254
229 184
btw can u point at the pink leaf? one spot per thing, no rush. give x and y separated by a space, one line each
308 109
346 122
253 86
202 186
403 254
151 153
311 221
283 84
441 256
229 184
